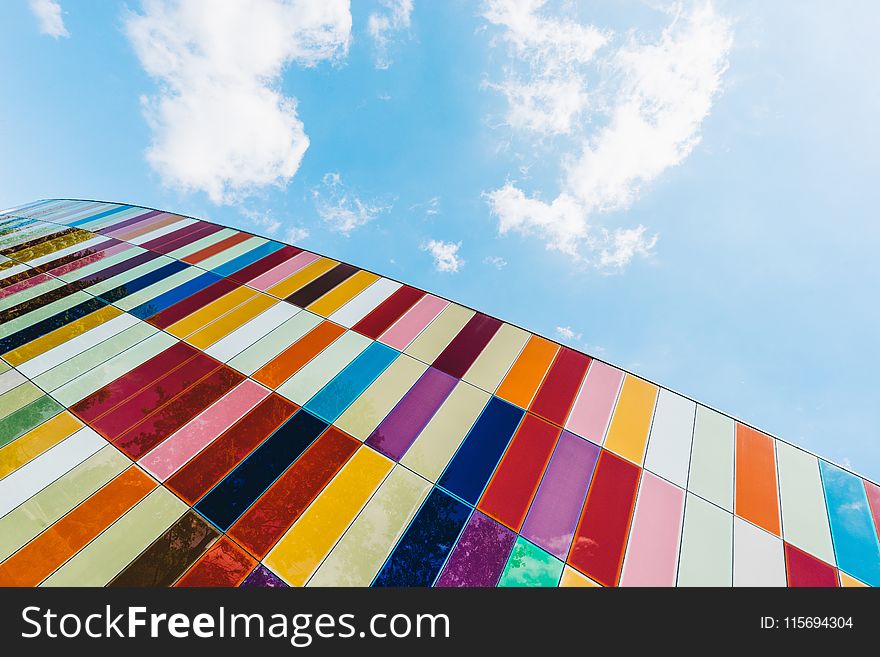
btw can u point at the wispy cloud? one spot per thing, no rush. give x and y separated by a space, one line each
263 220
445 254
340 208
220 123
656 90
431 206
395 17
567 334
496 261
296 234
49 15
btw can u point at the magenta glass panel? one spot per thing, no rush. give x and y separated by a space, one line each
405 422
479 556
555 511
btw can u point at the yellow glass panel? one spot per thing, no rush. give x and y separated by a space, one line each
303 277
572 578
304 546
62 242
342 294
61 335
628 435
207 314
36 441
231 321
850 582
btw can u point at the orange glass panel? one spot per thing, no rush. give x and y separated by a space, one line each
757 499
528 371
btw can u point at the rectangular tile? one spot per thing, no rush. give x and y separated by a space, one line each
495 360
712 464
345 387
102 559
600 539
855 536
250 479
556 395
594 405
300 551
470 469
757 556
804 516
402 332
522 381
529 565
317 288
380 398
318 372
653 548
427 542
480 555
555 510
394 435
285 501
631 422
360 553
669 443
388 311
464 348
757 499
706 557
440 438
515 482
433 340
364 303
168 457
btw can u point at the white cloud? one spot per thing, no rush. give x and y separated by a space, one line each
658 91
296 234
396 17
220 123
431 206
545 84
48 13
340 208
496 261
567 333
445 254
264 220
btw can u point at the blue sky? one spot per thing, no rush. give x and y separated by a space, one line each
551 144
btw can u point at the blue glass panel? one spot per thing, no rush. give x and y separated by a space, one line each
469 470
427 542
350 383
253 476
852 528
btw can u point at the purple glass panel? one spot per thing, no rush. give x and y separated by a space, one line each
479 556
405 422
554 513
129 222
262 577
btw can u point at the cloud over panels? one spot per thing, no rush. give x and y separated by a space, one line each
632 114
219 121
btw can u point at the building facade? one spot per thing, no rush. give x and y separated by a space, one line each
183 403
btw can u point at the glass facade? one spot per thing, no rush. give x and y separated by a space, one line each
185 404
